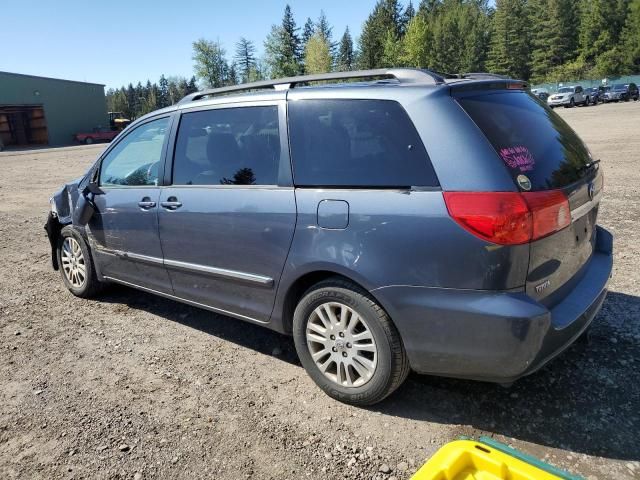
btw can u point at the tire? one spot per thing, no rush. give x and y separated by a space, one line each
572 103
88 140
76 255
586 102
385 349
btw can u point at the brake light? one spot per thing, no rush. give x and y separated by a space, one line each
509 218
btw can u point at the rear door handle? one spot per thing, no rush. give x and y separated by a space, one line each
172 203
146 203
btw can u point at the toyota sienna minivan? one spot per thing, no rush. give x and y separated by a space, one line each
396 221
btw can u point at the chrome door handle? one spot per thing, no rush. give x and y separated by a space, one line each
146 203
172 203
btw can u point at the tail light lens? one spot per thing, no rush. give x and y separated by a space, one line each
509 218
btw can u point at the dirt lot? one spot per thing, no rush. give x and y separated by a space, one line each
134 386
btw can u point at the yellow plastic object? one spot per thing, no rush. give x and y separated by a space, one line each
469 460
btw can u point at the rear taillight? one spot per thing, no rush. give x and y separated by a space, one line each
550 211
509 218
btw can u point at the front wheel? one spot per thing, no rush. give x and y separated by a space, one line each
348 344
76 265
88 140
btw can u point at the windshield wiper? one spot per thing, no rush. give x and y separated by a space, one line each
588 166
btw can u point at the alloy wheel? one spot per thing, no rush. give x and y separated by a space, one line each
73 262
341 344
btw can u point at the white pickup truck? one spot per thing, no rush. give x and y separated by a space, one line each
568 97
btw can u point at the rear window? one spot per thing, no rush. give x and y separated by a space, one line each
530 138
356 143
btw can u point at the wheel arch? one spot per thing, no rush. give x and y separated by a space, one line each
283 312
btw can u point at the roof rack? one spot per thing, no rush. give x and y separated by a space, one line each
402 75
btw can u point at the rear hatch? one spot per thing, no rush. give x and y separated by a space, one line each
543 154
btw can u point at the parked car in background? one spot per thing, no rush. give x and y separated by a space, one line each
622 92
541 93
595 94
447 226
97 135
568 97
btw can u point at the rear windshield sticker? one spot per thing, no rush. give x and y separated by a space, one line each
518 157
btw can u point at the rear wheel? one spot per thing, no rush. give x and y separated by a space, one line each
76 264
348 344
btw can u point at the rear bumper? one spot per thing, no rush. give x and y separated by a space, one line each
494 336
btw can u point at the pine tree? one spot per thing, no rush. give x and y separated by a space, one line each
448 39
192 86
232 76
317 58
163 92
406 17
307 32
392 53
427 8
210 63
282 47
601 23
175 94
326 31
149 101
384 18
554 39
119 102
417 43
183 87
345 60
509 52
631 38
245 58
138 99
475 25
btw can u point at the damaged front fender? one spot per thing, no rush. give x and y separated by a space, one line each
61 213
53 227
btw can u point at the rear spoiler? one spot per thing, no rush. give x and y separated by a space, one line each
486 83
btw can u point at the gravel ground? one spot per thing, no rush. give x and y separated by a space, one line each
134 386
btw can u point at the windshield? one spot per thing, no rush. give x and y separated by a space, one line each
619 87
565 90
530 138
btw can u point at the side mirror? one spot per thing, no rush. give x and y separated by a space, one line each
85 207
93 188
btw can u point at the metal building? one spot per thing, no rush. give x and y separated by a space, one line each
48 111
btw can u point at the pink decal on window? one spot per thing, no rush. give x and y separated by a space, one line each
518 157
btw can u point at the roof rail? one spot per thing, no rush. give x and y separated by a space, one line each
402 75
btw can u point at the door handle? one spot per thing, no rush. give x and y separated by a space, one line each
171 203
146 203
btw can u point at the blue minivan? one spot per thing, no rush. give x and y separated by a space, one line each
388 220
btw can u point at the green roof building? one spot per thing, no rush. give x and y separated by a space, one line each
48 111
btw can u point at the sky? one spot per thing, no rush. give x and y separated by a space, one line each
115 42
